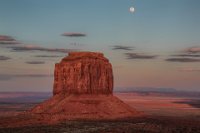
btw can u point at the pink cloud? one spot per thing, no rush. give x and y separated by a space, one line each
193 49
7 40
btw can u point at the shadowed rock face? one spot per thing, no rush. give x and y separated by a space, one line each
83 73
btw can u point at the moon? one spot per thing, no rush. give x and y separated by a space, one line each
132 9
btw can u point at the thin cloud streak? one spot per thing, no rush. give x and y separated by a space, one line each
187 55
182 60
4 58
74 34
139 56
48 56
193 49
35 62
120 47
4 77
189 69
7 40
37 48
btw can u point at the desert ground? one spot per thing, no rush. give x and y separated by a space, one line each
164 114
159 105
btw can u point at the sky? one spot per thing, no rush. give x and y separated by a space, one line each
157 45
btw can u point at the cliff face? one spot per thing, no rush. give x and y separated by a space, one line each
83 73
89 75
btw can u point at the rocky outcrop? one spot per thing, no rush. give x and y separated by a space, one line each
83 89
83 73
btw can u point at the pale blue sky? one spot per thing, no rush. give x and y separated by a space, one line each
171 22
158 27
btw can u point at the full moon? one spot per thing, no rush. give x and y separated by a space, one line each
132 9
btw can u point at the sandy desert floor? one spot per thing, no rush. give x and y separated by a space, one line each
165 114
163 105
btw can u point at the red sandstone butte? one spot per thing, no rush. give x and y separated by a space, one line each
83 73
83 89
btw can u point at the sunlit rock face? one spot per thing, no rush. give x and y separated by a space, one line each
83 89
83 73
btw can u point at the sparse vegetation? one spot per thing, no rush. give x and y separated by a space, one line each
152 124
140 125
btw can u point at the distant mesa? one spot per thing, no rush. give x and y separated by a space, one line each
83 89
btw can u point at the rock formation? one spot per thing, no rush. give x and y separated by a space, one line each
83 73
83 89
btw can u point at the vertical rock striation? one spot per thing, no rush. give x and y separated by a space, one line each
83 73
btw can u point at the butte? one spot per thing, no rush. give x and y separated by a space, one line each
83 89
